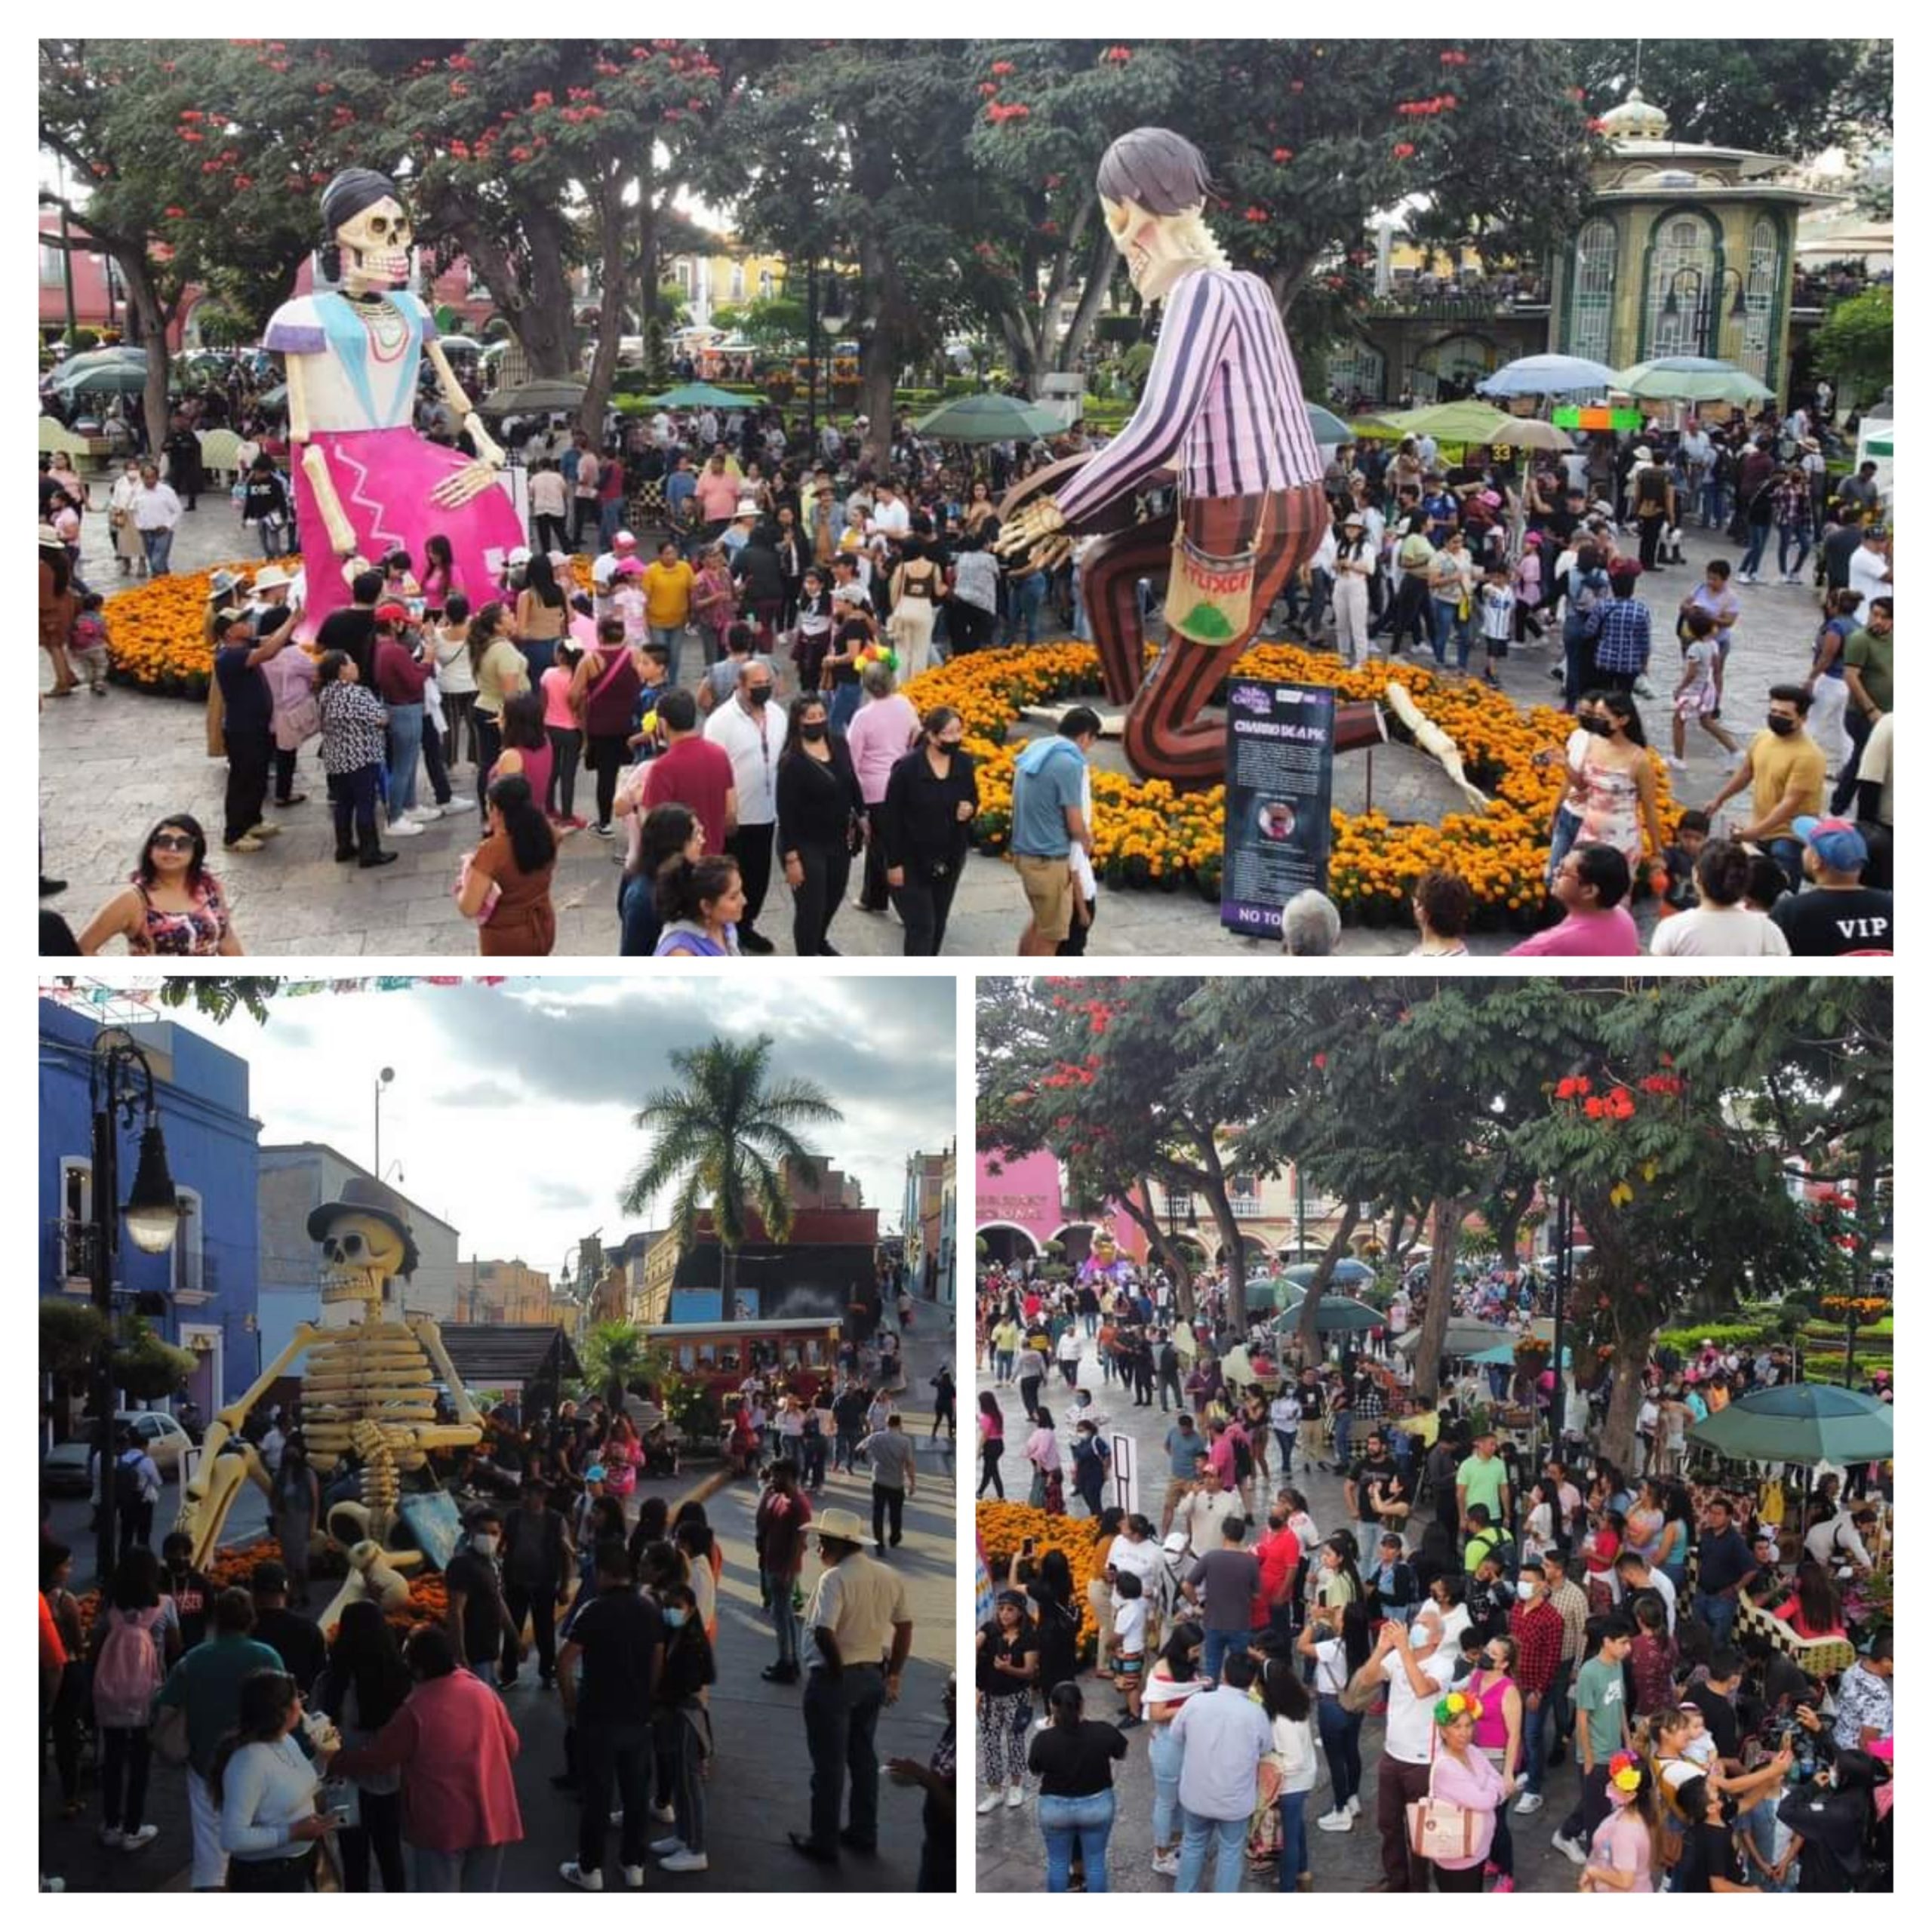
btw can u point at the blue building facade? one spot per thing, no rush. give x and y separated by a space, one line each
206 1284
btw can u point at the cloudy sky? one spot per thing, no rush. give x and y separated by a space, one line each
511 1108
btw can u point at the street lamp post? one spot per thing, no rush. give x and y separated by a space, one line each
152 1214
1563 1261
383 1079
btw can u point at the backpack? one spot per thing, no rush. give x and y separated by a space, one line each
127 1672
128 1484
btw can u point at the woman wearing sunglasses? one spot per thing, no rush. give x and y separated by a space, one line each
173 907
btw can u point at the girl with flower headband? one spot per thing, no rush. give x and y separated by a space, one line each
1460 1774
1624 1849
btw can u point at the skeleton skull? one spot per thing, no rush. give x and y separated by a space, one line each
362 1253
375 246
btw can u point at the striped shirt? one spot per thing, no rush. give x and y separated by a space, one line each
1623 643
1223 402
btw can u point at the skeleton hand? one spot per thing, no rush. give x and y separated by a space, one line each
1035 538
459 485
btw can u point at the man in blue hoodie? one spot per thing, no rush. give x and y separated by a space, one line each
1049 819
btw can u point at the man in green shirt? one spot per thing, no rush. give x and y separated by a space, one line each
206 1685
1868 684
1482 1478
1602 1729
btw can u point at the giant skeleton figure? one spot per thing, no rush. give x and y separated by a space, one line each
1222 408
367 1386
365 479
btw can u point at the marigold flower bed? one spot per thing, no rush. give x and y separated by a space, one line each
154 639
1147 834
1004 1527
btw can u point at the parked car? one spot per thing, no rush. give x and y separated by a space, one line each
64 1470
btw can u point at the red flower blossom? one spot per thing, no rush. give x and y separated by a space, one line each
988 88
1403 149
1001 68
1593 127
174 214
520 154
1282 155
1595 1108
192 114
1254 214
188 134
1320 1061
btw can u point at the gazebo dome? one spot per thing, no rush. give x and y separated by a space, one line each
1636 120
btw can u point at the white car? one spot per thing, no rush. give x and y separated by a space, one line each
64 1470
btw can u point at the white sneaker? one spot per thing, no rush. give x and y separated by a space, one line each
1571 1849
667 1847
1355 1806
573 1873
425 813
1675 763
634 1877
1530 1800
664 1814
140 1840
405 827
687 1861
111 1836
1167 1864
990 1802
1016 1796
1343 1820
454 804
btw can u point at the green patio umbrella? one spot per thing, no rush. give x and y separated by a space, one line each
988 418
1690 379
1503 1356
1329 428
1807 1423
107 379
1472 421
1338 1315
700 395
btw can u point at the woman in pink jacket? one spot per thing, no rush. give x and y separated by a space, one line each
1460 1774
455 1746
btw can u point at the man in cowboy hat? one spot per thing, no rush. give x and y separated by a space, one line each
861 1635
744 521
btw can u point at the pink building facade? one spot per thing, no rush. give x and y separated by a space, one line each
1021 1205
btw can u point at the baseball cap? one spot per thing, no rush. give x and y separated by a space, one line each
392 614
1837 841
624 540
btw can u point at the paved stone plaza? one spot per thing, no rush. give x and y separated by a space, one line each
110 767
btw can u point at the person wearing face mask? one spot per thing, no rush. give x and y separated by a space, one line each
1536 1628
480 1629
1417 1666
820 814
750 728
1785 770
924 823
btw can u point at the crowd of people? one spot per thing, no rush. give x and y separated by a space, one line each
1697 1671
316 1758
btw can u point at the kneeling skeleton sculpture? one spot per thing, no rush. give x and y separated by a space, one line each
367 1386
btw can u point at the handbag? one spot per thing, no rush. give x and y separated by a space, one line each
1438 1830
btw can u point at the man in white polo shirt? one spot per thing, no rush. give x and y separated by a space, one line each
750 728
1417 1665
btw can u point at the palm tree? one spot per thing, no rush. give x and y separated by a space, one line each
720 1138
612 1358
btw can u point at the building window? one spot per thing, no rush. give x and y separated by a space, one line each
1761 289
186 1269
1595 285
1682 264
76 1218
766 285
53 272
737 281
683 274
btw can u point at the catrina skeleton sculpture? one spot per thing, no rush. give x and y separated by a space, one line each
367 1386
1222 408
365 478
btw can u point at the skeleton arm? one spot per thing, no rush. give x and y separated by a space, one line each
424 1328
315 464
1431 737
461 406
206 1499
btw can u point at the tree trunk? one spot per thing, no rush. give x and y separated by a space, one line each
1626 1396
151 321
727 1281
1308 1332
647 246
1447 1214
1099 280
610 308
541 316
